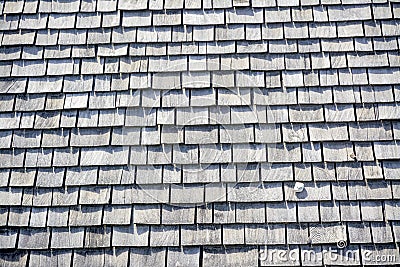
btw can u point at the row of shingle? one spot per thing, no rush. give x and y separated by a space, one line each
47 6
262 62
199 17
217 213
203 154
206 173
191 194
164 103
201 79
156 236
213 115
34 6
188 256
210 256
384 31
310 59
334 50
193 135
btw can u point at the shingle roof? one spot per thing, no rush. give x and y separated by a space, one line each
172 132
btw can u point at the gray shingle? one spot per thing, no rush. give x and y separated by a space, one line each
67 238
265 234
244 16
32 53
337 151
13 7
8 239
224 213
110 19
29 68
347 95
26 138
57 216
55 138
99 36
233 234
92 66
117 215
384 76
206 174
235 256
308 212
34 239
118 257
85 216
205 17
386 150
99 195
327 233
18 216
59 51
250 213
277 15
368 191
62 197
65 157
283 152
148 256
82 258
136 18
50 258
365 132
22 178
391 209
350 211
88 20
164 236
254 192
104 156
349 12
391 169
371 211
147 214
46 37
167 18
280 46
312 192
150 135
23 37
349 171
201 234
381 232
12 158
377 94
389 28
187 194
130 236
188 256
148 194
38 217
106 5
90 137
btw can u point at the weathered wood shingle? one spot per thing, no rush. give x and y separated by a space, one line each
181 132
